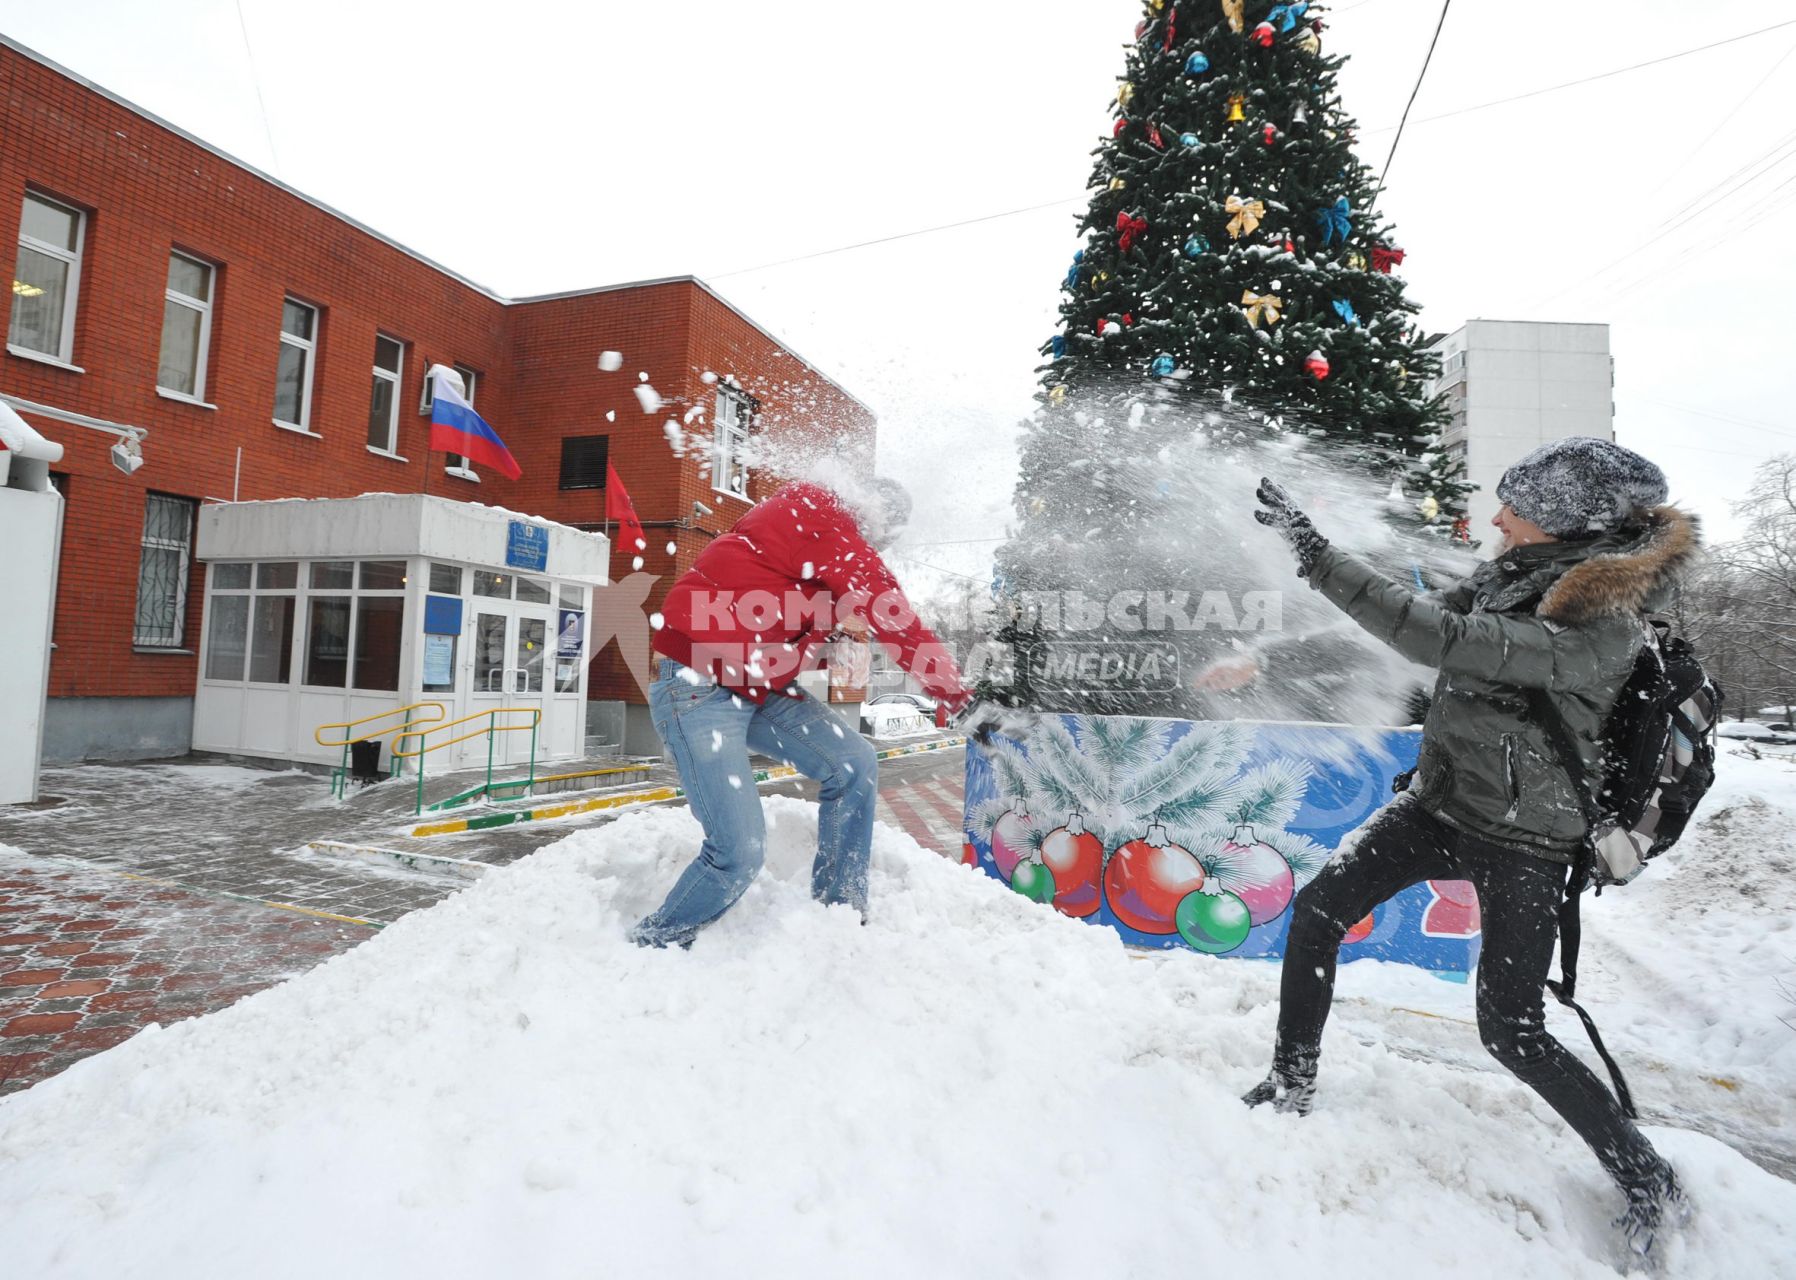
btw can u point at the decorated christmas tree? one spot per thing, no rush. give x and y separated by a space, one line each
1236 274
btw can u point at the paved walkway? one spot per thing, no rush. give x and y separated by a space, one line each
89 957
155 892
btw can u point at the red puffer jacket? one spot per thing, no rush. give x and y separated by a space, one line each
762 597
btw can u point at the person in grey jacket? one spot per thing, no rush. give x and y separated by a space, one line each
1549 628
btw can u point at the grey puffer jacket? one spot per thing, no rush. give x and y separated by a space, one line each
1561 617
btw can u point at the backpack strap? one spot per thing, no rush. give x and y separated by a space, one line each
1583 874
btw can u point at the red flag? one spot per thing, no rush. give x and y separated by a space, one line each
618 507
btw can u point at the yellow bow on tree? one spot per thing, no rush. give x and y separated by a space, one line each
1261 307
1244 215
1236 12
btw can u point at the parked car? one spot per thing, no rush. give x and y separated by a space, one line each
923 702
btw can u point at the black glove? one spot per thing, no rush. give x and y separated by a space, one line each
980 720
1292 525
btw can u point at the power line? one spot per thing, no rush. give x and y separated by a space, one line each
1482 106
902 235
1603 75
1789 432
1672 171
1426 62
255 78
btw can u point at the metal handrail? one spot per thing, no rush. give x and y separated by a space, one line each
492 727
317 733
340 777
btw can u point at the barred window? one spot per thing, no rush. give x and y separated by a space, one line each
162 571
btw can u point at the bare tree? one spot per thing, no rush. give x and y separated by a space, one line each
1751 604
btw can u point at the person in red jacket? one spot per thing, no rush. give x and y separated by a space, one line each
735 632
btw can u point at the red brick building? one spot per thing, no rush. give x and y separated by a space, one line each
272 347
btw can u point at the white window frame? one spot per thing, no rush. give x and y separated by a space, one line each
310 347
169 295
396 377
65 349
732 422
457 465
185 547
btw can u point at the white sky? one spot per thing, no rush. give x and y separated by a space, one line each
540 146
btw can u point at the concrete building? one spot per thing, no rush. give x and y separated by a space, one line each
1513 385
186 331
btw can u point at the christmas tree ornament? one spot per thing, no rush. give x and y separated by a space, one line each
1056 395
1057 345
1271 134
1010 838
1196 247
1356 260
1430 508
1126 94
1285 16
1163 366
1156 137
1172 32
1386 256
1263 35
1257 874
1261 307
1317 366
1300 122
1128 230
1237 108
1146 879
1236 13
1244 215
1290 244
1108 328
1156 5
1336 221
1215 923
1197 64
1310 42
1075 857
1189 140
1344 309
1117 184
1116 130
1072 274
1034 881
1141 28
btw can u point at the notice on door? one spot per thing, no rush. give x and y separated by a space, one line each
571 635
439 662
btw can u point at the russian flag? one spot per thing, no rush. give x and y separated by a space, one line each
456 428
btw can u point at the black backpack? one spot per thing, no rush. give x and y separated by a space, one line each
1658 763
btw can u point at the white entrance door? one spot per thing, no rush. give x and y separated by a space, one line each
511 644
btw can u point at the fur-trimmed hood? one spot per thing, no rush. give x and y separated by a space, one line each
1629 572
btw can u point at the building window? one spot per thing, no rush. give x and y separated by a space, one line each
383 404
186 327
47 278
729 450
293 379
469 379
583 461
354 633
162 571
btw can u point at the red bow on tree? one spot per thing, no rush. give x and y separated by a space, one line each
1172 27
1153 136
1129 228
1384 257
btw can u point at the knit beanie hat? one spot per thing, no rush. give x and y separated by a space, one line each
1580 486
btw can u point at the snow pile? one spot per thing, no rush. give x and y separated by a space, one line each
969 1085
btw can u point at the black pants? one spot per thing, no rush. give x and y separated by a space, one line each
1518 897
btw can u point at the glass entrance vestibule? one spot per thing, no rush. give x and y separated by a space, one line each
331 610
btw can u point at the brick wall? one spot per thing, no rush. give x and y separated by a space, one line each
147 190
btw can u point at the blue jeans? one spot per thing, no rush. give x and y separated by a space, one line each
709 732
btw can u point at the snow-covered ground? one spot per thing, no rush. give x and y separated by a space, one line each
968 1086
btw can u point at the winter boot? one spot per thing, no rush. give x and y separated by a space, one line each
1288 1097
1657 1206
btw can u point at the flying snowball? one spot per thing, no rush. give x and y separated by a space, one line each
611 361
648 398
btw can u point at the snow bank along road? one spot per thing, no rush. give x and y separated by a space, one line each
971 1085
